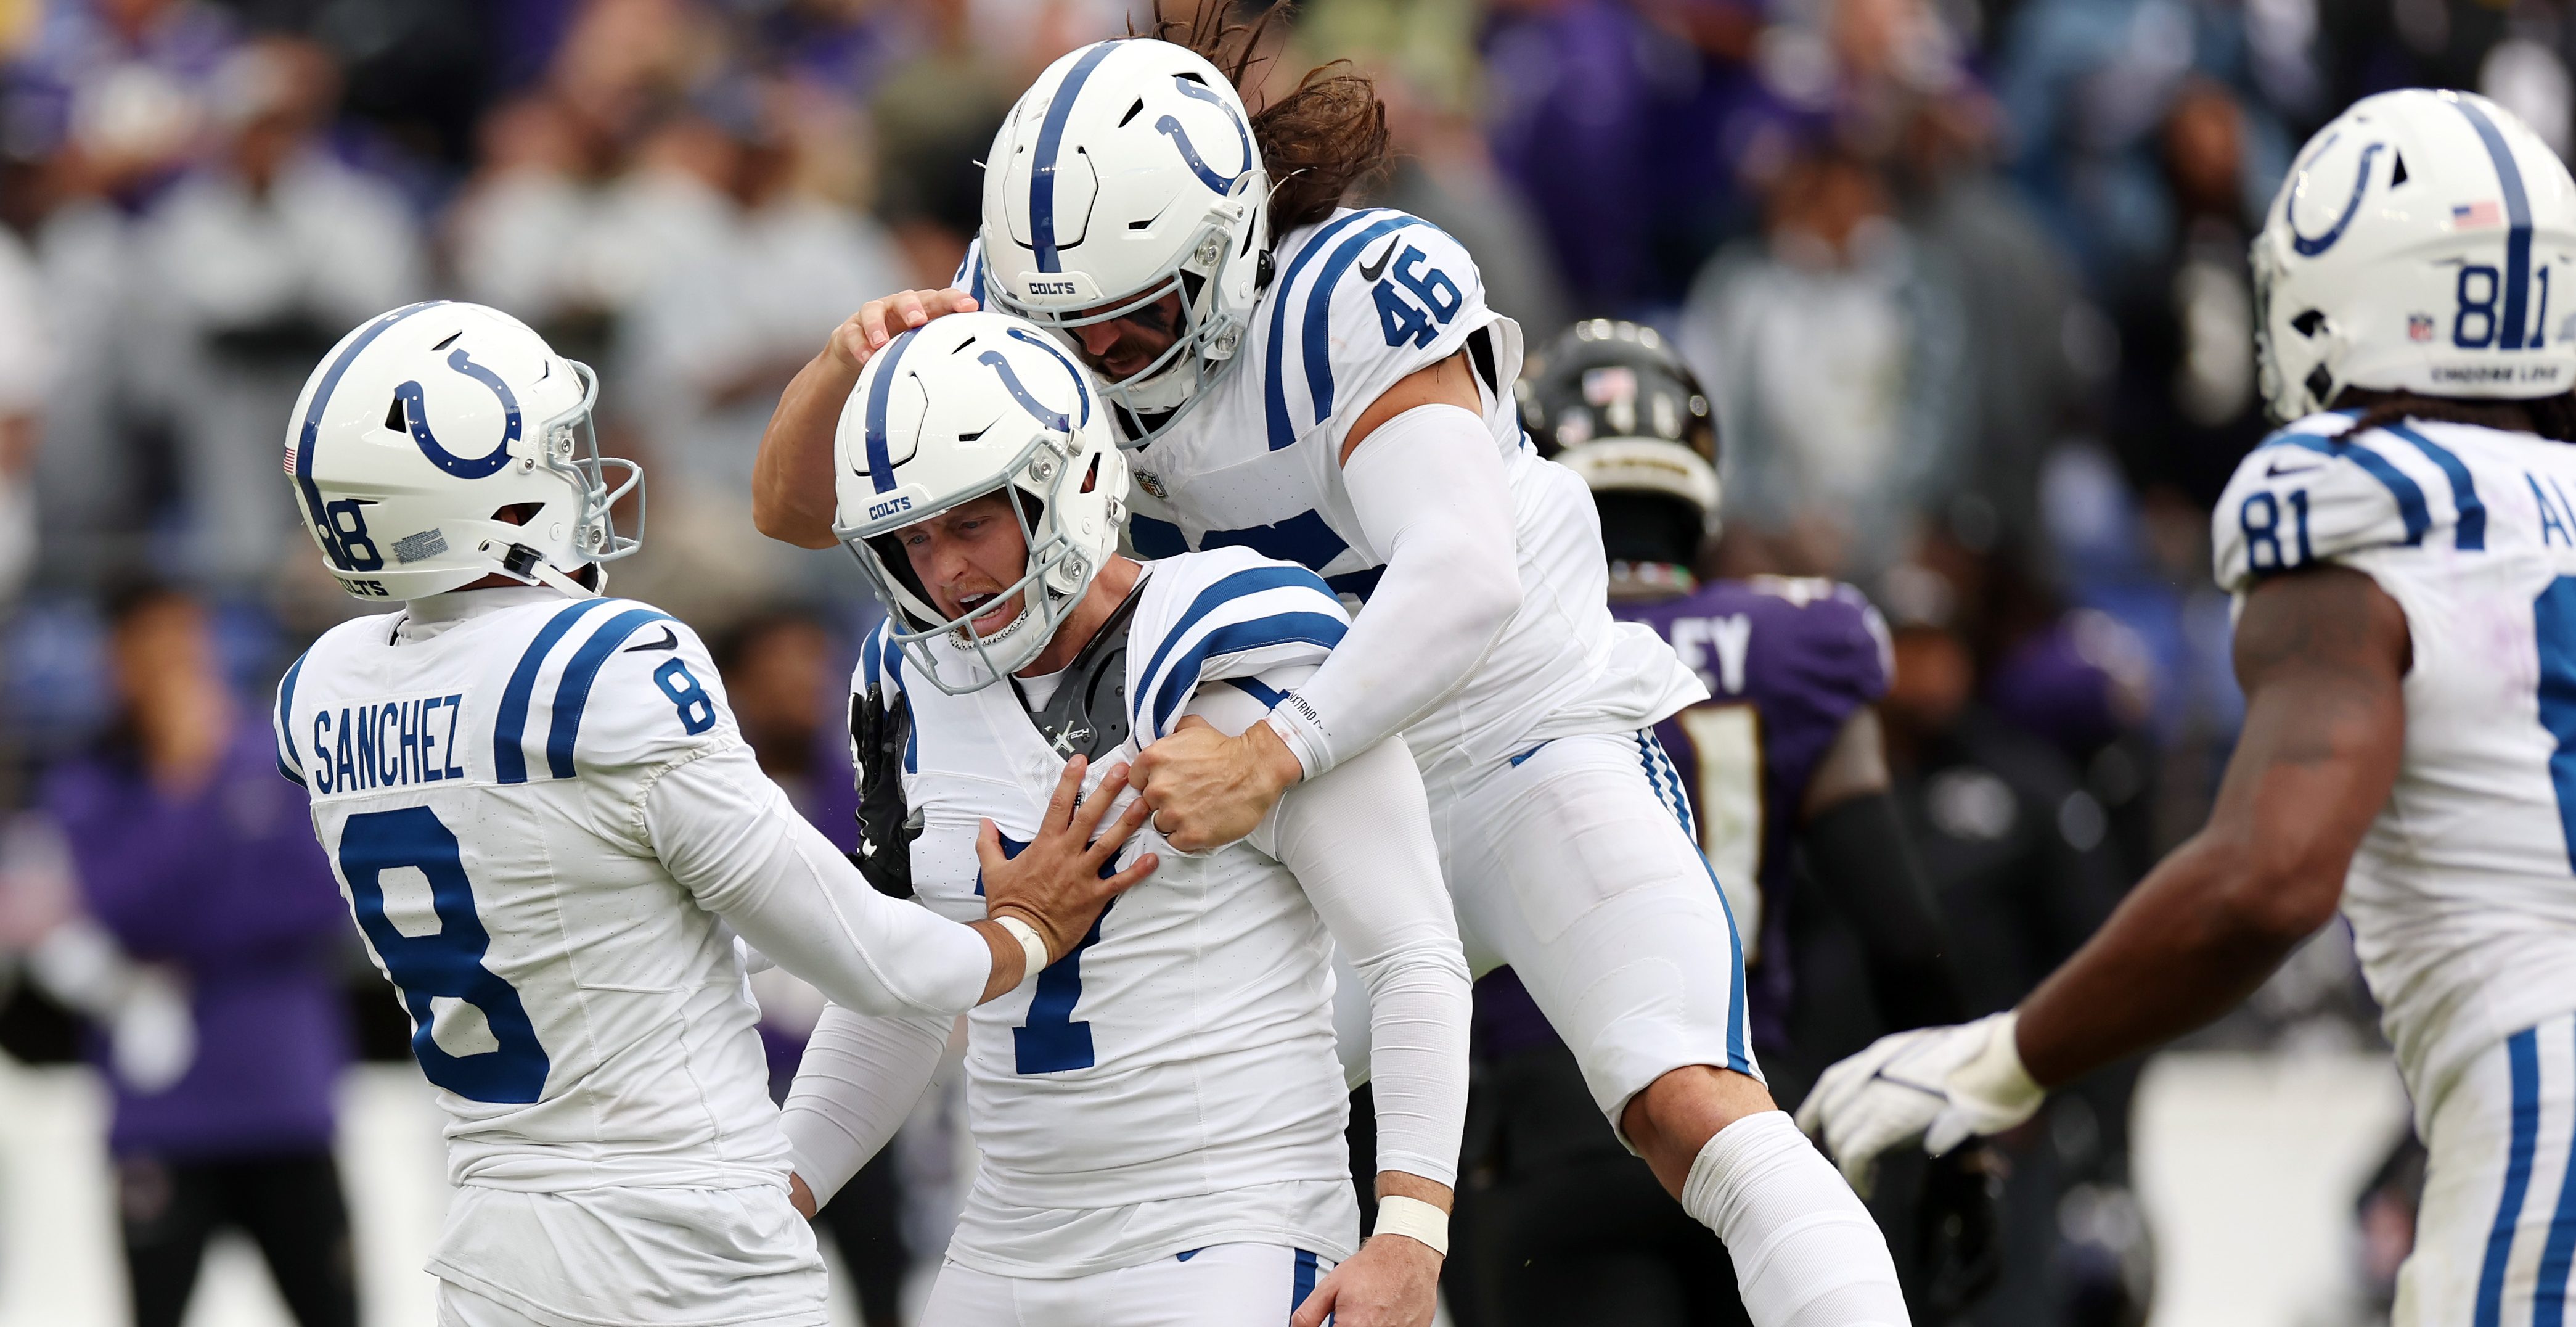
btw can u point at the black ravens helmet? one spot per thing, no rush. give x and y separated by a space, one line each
1612 402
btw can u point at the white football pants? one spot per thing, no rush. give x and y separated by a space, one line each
2495 1237
1227 1285
630 1256
1577 863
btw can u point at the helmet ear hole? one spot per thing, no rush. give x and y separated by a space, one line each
1091 477
2321 385
518 513
2397 172
2308 323
394 414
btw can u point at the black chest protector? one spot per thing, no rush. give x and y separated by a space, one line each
1087 715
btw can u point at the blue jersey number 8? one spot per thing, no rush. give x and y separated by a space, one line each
697 708
446 964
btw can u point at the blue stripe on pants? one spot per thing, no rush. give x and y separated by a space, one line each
2523 1050
1739 1026
2549 1298
1305 1282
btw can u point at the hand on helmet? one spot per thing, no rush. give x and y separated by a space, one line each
881 320
1943 1085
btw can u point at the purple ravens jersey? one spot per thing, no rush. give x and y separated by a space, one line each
1787 662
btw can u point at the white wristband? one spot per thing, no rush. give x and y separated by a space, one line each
1030 945
1302 731
1414 1219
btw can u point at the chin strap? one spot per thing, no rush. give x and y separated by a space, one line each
524 564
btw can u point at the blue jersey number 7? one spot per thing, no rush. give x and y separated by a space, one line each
1051 1042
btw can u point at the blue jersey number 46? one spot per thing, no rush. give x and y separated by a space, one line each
1399 318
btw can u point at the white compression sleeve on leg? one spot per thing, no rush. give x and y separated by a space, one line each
1806 1252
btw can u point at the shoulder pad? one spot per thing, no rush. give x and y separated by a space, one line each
2311 492
970 273
1852 650
1087 714
879 679
1827 640
1224 613
1374 295
617 682
290 761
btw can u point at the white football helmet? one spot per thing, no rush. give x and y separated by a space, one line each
423 425
1125 173
969 405
2416 246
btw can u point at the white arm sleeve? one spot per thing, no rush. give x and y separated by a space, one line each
859 1081
1433 501
728 835
1359 840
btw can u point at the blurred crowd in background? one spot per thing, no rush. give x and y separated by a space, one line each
1965 281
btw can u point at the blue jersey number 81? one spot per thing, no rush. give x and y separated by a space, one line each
446 964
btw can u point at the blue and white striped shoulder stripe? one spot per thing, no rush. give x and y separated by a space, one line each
290 761
1260 617
879 664
539 722
2424 462
1300 319
970 273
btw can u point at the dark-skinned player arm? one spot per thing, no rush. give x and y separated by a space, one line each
2322 653
1862 860
1429 489
2323 657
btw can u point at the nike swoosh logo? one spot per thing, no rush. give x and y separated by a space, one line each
670 641
1368 273
2276 471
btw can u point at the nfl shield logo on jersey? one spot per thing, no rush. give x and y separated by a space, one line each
2419 327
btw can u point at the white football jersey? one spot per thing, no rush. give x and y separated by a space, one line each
478 787
1172 1082
1361 301
2462 897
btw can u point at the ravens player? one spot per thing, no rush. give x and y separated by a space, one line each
1784 757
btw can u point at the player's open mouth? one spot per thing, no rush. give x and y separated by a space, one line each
985 623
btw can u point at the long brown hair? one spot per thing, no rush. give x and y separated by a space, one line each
1321 142
2552 417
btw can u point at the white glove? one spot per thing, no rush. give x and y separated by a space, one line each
1943 1085
152 1037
